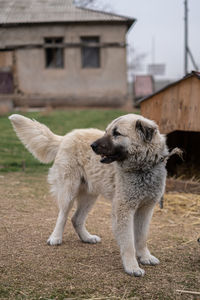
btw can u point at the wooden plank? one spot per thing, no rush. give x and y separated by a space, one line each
194 106
63 45
185 89
169 109
151 108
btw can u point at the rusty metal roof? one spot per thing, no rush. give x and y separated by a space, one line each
193 73
55 11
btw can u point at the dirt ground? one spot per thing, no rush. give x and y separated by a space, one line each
30 269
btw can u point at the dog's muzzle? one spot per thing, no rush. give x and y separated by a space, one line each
107 151
98 150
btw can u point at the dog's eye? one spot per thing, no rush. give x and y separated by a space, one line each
115 132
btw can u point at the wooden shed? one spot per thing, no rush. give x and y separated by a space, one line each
176 109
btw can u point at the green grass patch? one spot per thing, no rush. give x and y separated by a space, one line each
14 156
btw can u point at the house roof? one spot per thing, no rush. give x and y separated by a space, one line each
192 74
53 11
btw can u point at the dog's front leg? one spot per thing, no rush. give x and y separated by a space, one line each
123 231
142 220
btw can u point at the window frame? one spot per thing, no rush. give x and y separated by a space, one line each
85 48
56 42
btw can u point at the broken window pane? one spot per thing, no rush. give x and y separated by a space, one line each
54 55
90 54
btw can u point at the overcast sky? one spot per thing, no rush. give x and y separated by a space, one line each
162 21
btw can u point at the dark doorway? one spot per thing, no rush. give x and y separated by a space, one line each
189 142
6 82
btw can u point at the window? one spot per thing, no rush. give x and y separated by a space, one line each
54 54
90 52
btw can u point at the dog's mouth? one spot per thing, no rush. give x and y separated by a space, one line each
118 155
107 159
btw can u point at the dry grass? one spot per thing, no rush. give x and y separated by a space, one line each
32 270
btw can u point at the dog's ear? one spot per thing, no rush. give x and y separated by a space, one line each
145 131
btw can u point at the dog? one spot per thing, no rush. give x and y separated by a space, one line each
126 163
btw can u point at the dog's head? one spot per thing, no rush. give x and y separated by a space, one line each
129 138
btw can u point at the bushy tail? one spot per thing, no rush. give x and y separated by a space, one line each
36 137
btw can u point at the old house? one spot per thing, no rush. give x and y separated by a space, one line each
56 53
176 109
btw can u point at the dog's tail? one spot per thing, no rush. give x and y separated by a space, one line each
36 137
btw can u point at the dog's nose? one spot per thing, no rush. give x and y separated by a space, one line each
94 146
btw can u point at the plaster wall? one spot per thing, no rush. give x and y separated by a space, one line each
110 80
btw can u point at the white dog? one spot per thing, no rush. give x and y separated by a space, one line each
131 173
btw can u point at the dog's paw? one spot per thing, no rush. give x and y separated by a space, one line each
138 272
149 260
92 239
54 241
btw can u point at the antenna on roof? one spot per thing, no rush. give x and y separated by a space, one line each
187 49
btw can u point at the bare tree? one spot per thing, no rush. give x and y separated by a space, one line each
85 3
135 61
94 4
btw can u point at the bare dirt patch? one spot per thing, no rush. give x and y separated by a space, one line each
30 269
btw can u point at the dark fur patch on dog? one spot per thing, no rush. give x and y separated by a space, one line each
145 132
108 151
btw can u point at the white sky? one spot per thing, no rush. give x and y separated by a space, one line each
163 22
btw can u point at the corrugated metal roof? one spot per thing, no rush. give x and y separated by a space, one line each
45 11
193 73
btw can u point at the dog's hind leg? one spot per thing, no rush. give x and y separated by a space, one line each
85 202
142 219
66 192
